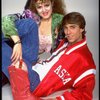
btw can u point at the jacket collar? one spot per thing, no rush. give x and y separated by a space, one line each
76 46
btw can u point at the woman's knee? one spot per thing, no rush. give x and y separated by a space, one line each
24 26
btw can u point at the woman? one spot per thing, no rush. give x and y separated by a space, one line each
51 13
48 15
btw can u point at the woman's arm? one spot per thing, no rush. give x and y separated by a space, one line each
8 26
8 22
17 49
10 31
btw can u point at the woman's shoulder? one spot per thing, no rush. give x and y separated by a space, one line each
56 20
56 15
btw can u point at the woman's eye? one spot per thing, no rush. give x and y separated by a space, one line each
47 5
39 7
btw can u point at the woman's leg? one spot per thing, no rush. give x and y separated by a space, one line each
28 33
19 84
6 61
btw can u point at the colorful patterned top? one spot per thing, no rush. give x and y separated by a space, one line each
45 43
9 28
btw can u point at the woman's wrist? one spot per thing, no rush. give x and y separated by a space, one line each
15 38
17 42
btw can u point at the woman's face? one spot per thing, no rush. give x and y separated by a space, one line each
44 9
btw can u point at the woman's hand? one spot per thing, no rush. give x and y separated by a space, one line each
17 53
17 50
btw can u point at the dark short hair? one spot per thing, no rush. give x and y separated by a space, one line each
74 18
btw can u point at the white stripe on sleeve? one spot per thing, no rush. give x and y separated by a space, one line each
86 73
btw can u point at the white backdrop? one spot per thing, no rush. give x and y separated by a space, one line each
89 8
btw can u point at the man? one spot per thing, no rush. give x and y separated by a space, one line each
70 68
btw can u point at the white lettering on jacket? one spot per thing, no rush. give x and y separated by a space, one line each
62 74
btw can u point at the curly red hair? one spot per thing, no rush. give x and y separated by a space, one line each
58 6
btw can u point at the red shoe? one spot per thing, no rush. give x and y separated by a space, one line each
20 84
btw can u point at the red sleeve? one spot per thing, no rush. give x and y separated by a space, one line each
82 91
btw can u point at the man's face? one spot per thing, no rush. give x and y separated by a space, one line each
73 33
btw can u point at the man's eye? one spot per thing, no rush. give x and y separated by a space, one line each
72 27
